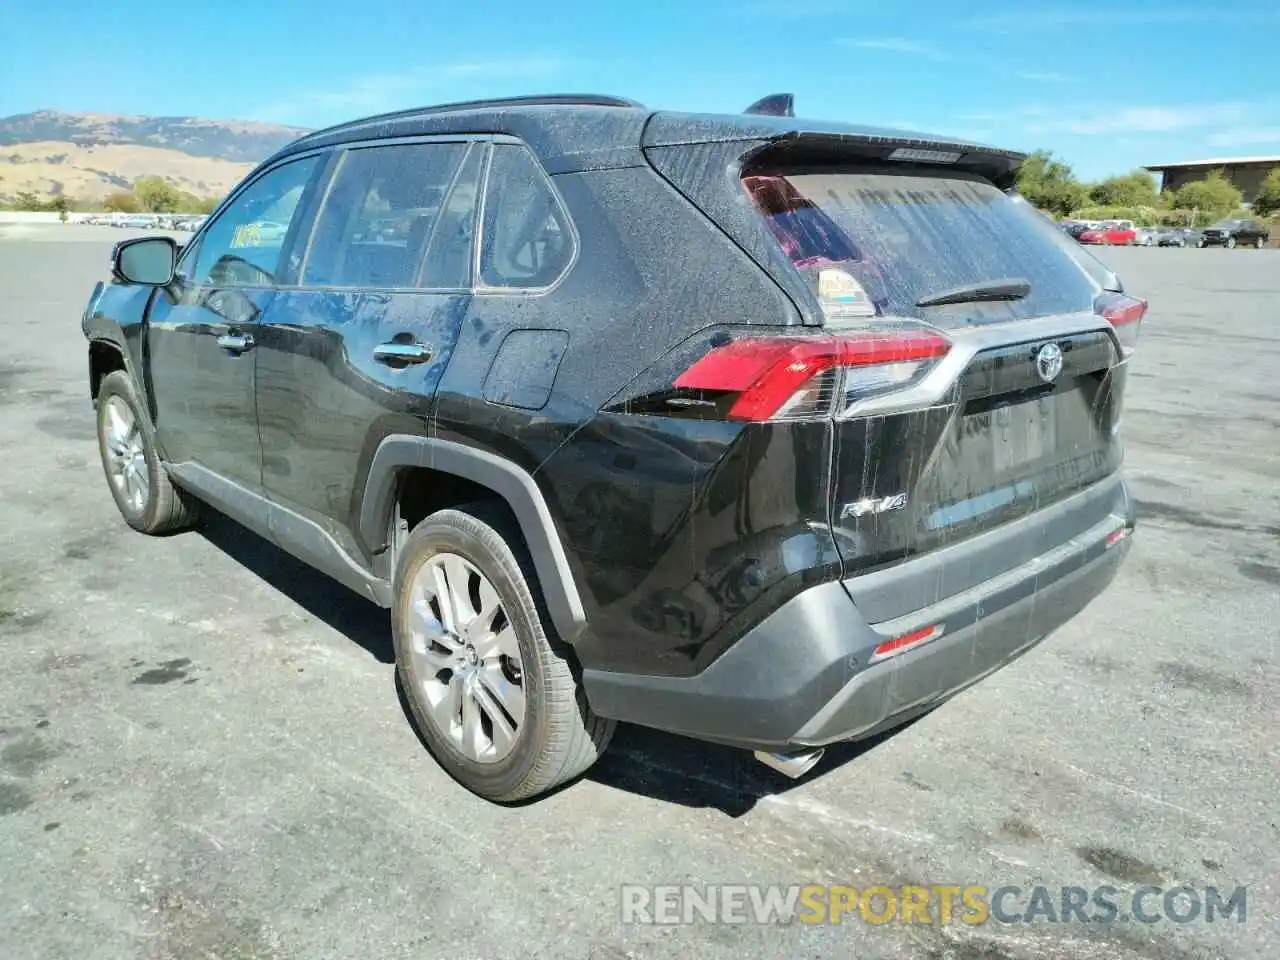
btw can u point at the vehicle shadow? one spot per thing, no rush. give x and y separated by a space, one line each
649 763
676 769
363 622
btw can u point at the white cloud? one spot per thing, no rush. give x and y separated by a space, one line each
1045 76
1239 136
380 92
903 45
1053 19
1137 119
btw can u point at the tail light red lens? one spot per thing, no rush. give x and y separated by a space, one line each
1125 314
790 378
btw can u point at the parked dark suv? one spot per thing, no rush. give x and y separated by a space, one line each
769 432
1232 233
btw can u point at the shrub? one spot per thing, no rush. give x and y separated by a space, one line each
1214 196
1268 199
1141 216
1136 189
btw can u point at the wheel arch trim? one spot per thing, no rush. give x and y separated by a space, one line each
514 485
116 346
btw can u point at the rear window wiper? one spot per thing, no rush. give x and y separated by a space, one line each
1013 288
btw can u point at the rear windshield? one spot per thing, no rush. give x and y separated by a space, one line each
909 236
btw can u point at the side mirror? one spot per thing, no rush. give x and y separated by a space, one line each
146 260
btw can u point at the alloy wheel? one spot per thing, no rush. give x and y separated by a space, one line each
465 657
126 455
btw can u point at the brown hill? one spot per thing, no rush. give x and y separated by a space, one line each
89 155
91 172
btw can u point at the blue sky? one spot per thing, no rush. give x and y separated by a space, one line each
1106 84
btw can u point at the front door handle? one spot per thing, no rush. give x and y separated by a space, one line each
236 342
402 352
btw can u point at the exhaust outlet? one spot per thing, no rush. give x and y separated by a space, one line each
793 765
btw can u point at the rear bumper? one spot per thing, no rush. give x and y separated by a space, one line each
805 676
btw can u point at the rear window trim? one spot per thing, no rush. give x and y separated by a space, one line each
869 167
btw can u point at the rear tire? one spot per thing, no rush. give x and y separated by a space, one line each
1261 242
139 483
494 694
1231 243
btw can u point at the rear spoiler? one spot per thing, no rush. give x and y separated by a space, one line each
765 139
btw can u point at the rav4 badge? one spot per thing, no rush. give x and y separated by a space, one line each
873 505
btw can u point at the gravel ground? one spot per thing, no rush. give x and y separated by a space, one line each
202 753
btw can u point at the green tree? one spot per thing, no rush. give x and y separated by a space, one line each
1136 189
1050 184
1268 199
1214 196
62 205
156 195
190 203
26 200
120 202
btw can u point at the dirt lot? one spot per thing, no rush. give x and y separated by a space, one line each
202 753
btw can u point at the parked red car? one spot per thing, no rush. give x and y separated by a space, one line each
1112 235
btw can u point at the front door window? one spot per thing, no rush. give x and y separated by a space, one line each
243 246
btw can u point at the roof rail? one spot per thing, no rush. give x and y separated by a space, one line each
534 100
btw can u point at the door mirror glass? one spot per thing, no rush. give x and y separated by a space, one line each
147 260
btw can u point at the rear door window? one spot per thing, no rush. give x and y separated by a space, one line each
527 241
385 206
904 236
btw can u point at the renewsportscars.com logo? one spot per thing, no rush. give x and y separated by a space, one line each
940 904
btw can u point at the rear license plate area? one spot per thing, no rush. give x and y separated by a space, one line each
1012 436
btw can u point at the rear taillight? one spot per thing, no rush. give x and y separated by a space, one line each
794 378
1125 314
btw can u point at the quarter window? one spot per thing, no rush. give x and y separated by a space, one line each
242 247
527 242
386 208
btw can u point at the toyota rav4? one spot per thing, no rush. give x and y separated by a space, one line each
769 432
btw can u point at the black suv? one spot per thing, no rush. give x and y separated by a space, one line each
1232 233
769 432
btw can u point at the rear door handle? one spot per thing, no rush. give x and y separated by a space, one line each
236 342
402 352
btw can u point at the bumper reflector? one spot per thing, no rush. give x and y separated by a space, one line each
1115 536
891 648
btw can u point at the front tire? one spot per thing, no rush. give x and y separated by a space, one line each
494 695
1260 243
1231 243
139 484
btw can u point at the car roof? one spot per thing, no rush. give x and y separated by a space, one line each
572 132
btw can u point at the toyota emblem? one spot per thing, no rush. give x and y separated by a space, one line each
1049 362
